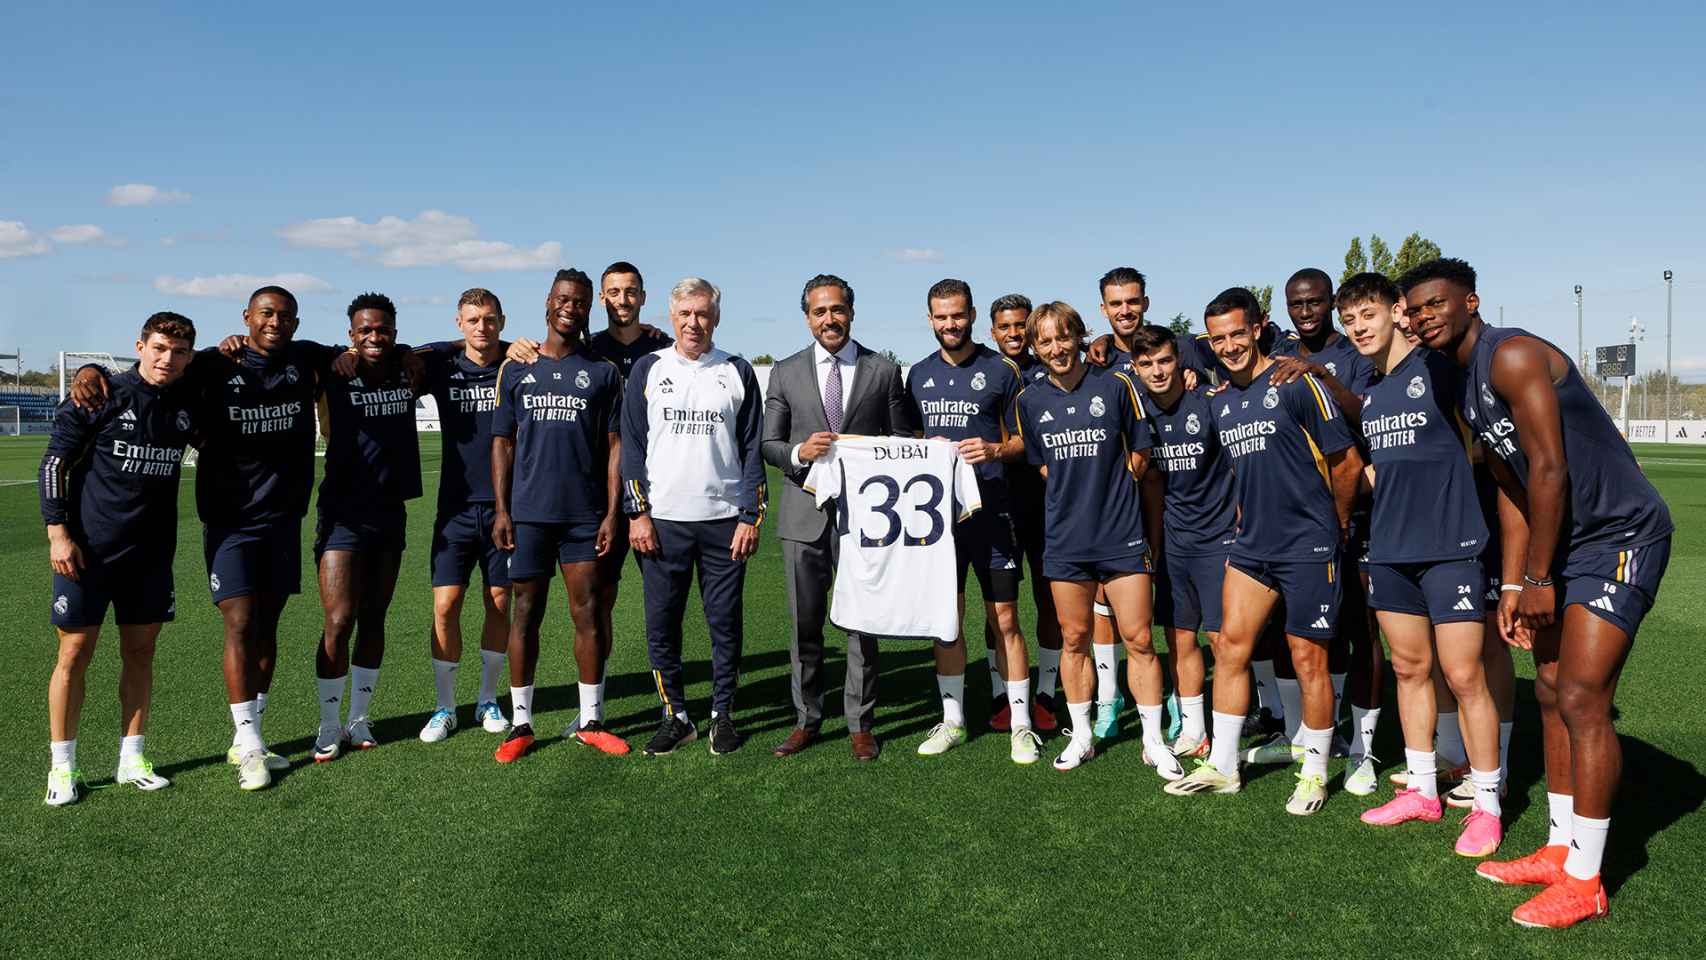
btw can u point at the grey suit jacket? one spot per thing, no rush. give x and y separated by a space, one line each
793 411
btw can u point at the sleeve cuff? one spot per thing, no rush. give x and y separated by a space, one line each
794 457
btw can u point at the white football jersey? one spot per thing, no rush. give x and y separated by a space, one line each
897 500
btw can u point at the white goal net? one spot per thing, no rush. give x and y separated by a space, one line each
11 420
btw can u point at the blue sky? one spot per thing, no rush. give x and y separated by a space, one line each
1024 149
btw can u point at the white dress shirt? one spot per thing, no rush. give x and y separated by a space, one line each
821 359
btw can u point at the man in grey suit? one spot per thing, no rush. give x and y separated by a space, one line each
832 387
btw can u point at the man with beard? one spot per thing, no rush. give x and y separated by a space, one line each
967 393
1583 555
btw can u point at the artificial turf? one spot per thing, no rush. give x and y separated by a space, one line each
411 850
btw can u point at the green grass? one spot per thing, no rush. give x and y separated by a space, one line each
416 851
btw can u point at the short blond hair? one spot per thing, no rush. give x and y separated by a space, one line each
1064 317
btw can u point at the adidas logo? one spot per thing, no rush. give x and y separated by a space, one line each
365 690
528 379
127 415
1226 410
1463 604
331 700
1047 417
1603 603
930 383
1321 624
236 381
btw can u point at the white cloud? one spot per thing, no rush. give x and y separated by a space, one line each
83 233
236 286
16 240
432 239
143 195
913 255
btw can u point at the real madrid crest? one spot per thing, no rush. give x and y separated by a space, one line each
1332 368
184 420
1271 398
582 380
1192 425
1416 388
1097 407
1486 394
290 372
978 381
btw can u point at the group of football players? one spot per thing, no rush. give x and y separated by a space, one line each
1292 495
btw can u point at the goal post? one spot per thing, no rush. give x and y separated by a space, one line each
71 360
11 420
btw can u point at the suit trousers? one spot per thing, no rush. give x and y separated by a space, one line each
809 568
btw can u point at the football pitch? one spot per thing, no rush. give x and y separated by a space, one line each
415 851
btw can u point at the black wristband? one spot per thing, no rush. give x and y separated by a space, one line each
1543 582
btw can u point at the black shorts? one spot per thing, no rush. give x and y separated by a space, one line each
462 540
1098 571
985 542
1312 591
380 527
1187 591
542 548
138 588
248 560
1450 591
1619 586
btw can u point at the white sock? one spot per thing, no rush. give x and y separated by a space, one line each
331 701
1587 846
1154 730
1019 700
1422 769
1561 807
261 703
1486 784
1291 695
1338 695
129 749
1107 684
64 753
1317 744
1505 729
1048 671
260 712
362 684
491 667
521 704
1223 751
444 682
1267 687
997 683
1082 729
1450 745
1363 722
1190 717
592 703
246 719
953 699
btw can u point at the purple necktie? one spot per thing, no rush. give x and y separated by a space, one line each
832 396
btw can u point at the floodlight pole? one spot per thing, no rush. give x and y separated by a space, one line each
1667 354
1581 351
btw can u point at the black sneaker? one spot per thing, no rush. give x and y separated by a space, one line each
724 737
672 733
1263 724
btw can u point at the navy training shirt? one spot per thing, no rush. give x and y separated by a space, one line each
1085 438
110 476
1419 449
604 346
1347 366
975 399
1200 516
373 453
1024 483
256 414
561 414
1612 506
466 394
1279 439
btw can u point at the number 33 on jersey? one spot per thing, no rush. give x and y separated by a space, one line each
896 504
